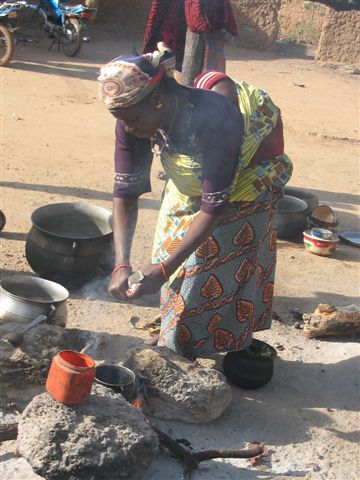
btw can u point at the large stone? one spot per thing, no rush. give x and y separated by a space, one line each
179 389
104 438
17 469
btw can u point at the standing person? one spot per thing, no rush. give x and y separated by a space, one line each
215 243
167 24
169 20
215 21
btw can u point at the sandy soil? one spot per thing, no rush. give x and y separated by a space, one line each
57 145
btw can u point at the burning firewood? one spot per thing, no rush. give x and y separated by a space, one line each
327 320
191 460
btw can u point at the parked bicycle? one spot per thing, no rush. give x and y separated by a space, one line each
63 23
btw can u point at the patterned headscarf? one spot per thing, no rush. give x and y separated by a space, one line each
208 79
125 81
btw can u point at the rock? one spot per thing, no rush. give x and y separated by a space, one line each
285 478
17 469
104 438
214 361
179 389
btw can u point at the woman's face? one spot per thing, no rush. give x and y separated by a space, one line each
142 119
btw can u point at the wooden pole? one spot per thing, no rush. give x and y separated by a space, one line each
193 58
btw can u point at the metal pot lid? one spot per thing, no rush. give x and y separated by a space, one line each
72 220
34 289
351 236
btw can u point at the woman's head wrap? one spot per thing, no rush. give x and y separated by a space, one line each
125 81
209 78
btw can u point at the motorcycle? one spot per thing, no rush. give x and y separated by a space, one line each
63 23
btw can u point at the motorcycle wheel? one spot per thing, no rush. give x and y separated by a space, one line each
6 45
72 40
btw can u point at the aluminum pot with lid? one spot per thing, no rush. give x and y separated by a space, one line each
25 297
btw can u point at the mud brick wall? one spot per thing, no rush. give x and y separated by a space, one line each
340 38
257 21
301 21
260 24
130 15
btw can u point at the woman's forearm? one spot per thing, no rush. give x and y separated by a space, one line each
201 228
125 213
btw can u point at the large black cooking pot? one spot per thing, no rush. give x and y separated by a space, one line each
68 241
291 217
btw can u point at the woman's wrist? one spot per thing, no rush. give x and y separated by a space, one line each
121 266
164 271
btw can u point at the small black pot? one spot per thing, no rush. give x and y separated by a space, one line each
119 379
252 367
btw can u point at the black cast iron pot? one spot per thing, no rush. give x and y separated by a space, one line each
252 367
311 200
68 241
291 217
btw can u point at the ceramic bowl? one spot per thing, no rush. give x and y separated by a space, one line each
320 246
323 217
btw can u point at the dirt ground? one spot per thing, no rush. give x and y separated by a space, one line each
57 145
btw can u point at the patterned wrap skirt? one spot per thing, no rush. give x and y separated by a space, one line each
223 292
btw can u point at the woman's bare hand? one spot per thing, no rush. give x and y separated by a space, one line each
151 283
118 285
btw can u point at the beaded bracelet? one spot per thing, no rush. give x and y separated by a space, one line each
164 271
119 267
